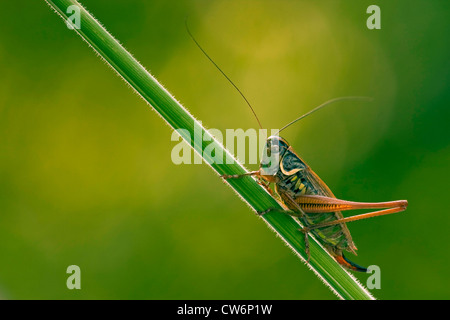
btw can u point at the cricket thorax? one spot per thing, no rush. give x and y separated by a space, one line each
295 185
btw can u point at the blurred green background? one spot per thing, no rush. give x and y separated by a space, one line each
86 176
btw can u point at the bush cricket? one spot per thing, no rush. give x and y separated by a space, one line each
304 195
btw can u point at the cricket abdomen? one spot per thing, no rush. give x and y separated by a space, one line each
337 237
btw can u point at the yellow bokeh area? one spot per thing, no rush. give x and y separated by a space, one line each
86 176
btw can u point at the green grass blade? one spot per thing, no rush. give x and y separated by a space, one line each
343 284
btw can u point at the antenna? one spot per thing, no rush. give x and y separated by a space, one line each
323 105
223 73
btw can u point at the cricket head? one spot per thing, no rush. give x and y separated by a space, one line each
273 152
